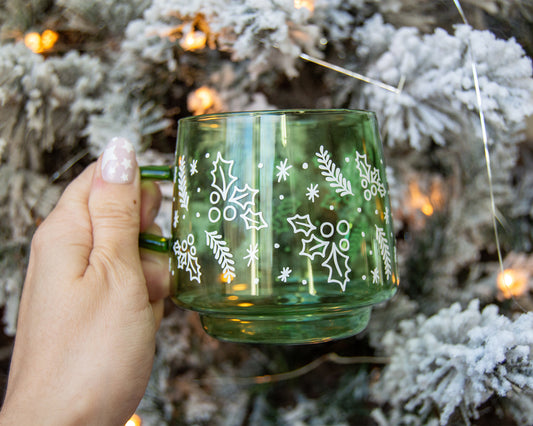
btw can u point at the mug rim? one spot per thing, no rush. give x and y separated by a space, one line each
278 112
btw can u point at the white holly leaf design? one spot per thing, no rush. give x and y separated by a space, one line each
182 183
193 268
244 197
222 254
301 224
337 264
222 177
186 259
363 166
370 178
384 250
332 173
253 220
181 257
314 246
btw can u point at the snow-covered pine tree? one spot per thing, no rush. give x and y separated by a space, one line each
132 68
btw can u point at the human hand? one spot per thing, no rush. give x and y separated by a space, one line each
91 303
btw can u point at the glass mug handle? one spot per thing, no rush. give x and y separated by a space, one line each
152 241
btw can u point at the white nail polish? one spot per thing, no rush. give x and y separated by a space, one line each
118 162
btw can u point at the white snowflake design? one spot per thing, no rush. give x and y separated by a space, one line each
284 274
375 276
252 254
312 192
229 202
283 170
193 167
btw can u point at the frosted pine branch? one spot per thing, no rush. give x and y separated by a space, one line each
439 99
451 364
332 173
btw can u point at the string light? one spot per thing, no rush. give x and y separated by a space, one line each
203 100
425 203
193 34
397 90
512 282
33 42
307 4
193 40
135 420
49 39
39 43
418 200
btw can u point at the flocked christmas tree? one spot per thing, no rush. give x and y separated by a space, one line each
454 346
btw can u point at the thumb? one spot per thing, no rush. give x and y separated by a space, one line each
114 205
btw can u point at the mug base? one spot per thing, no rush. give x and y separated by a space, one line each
299 329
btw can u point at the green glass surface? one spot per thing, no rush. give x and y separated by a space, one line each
282 228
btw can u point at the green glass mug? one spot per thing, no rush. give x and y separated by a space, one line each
282 228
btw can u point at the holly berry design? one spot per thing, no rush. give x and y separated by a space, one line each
186 259
239 202
319 243
325 243
370 179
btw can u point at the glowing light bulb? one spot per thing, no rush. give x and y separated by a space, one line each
194 40
512 282
33 42
135 420
38 43
418 200
308 4
48 39
203 100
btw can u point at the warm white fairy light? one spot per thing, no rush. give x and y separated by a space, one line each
39 43
420 201
512 282
307 4
204 100
193 40
135 420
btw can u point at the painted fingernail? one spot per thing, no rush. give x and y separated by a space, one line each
118 162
